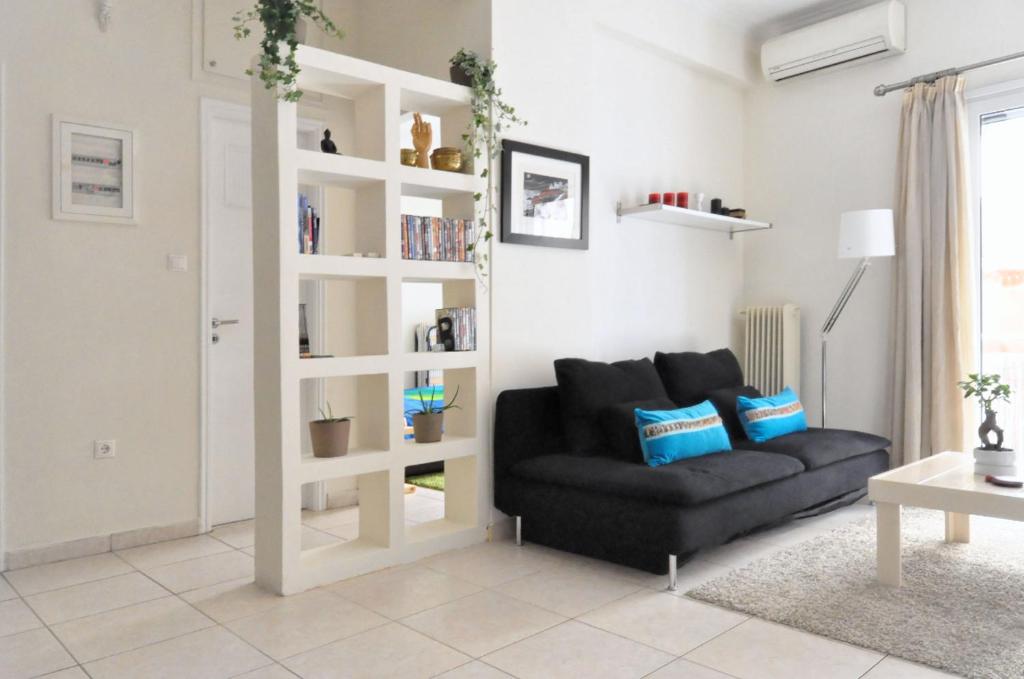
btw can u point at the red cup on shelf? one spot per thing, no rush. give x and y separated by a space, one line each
653 198
683 199
668 198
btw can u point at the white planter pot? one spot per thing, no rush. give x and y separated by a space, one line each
995 462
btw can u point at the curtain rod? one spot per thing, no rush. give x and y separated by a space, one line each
883 90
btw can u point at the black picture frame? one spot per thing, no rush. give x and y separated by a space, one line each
508 234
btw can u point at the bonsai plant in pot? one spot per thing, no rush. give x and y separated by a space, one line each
428 419
329 434
284 26
991 457
490 115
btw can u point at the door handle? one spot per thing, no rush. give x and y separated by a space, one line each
217 322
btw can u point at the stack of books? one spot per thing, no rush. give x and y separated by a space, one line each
437 239
309 227
462 334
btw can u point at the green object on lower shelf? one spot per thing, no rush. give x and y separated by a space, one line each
432 481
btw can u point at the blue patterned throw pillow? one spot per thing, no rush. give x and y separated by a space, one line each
671 435
771 416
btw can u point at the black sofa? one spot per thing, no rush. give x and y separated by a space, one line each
606 503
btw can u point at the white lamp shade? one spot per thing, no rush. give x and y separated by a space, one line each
866 233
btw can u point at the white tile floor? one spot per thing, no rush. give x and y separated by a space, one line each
188 608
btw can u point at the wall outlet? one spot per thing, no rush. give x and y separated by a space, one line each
101 450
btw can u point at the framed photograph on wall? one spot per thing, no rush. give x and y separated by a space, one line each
93 172
544 196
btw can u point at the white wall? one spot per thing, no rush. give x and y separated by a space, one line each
106 343
421 36
107 340
822 144
651 119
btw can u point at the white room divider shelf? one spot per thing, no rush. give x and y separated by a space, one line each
377 98
669 214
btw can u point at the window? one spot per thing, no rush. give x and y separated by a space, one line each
999 176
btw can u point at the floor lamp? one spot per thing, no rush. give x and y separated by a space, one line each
863 234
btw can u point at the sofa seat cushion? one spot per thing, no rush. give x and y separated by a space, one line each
685 483
819 447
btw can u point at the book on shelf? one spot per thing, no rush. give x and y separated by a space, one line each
456 328
309 227
437 239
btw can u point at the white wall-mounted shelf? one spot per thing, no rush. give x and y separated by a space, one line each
367 294
694 219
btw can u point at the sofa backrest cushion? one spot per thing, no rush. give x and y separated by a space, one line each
587 388
724 401
689 376
619 425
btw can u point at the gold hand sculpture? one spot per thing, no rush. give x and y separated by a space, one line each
422 135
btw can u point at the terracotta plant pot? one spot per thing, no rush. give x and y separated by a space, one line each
329 437
426 427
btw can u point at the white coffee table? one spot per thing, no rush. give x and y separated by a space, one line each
945 482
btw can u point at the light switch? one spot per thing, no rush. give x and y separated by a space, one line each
177 262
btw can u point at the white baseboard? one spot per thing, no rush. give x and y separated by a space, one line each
73 549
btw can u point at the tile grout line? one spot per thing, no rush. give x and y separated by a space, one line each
884 656
234 634
129 650
705 643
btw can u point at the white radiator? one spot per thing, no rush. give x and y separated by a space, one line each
771 347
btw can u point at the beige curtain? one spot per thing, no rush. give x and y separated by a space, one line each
934 306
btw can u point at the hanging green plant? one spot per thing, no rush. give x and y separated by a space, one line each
490 116
279 19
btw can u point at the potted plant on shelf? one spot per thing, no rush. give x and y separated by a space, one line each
490 115
329 434
283 22
991 457
428 418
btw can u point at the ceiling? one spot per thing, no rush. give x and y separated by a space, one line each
765 18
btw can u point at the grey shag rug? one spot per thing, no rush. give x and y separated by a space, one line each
960 609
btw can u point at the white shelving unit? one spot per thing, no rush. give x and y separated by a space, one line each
669 214
376 369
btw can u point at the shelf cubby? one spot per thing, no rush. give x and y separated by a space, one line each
461 489
353 214
354 316
365 398
360 545
459 423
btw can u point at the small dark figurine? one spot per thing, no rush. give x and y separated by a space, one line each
328 146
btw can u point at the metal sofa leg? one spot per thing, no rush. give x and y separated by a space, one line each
671 572
519 531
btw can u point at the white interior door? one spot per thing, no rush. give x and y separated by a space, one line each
228 416
229 396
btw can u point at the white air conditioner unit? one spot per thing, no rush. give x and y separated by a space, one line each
871 33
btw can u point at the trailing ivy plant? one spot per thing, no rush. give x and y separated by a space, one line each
490 116
279 18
